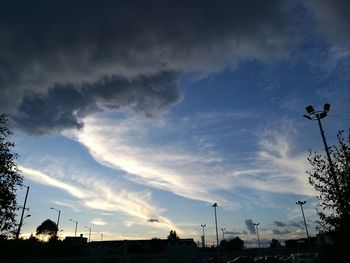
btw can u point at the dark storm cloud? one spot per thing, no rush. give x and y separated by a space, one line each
63 106
279 223
280 232
250 226
234 233
152 220
60 59
297 225
333 19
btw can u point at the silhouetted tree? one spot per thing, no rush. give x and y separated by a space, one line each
223 243
9 178
173 235
275 243
32 237
333 207
47 228
233 244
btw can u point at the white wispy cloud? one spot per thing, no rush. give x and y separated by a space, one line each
160 166
68 203
42 178
99 195
98 222
173 157
179 164
285 172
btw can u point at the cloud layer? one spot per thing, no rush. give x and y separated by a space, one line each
61 61
98 195
189 169
333 19
64 106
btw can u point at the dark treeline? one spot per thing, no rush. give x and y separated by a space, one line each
34 248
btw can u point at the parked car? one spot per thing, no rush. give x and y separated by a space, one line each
271 259
242 259
259 259
301 258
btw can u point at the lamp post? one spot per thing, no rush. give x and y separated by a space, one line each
203 241
89 232
215 205
76 226
257 233
223 233
59 214
301 203
318 115
23 208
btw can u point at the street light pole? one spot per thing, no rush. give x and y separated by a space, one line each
215 205
76 226
301 203
223 233
59 214
203 241
257 233
318 115
24 207
89 232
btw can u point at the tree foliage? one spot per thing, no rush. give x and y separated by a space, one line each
233 244
9 177
275 243
173 235
333 206
48 228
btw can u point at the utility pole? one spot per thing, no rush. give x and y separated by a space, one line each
89 232
23 208
301 203
59 214
257 233
223 233
76 226
318 115
203 241
215 205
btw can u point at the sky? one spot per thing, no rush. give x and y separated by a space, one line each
133 117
